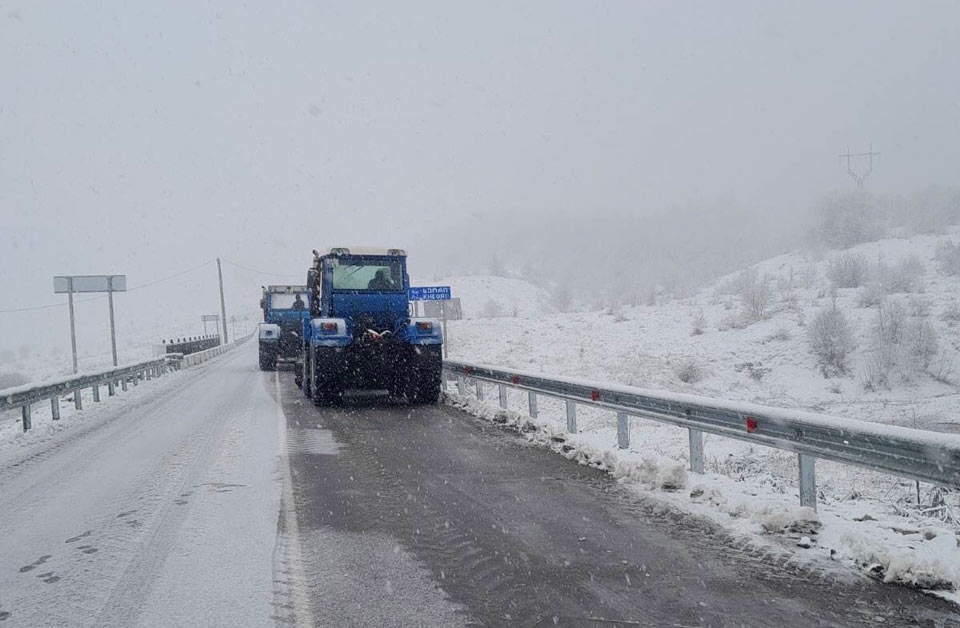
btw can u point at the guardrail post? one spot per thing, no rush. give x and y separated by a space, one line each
136 378
696 451
623 430
460 384
479 386
571 417
149 373
25 413
55 407
532 404
96 392
111 388
77 399
123 383
503 396
808 480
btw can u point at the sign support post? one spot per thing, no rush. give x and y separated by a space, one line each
446 343
70 284
113 331
73 327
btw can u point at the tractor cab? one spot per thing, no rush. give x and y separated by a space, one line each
360 334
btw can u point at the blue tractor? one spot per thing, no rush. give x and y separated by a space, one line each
360 334
284 310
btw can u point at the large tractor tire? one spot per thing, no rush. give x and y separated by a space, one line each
306 375
423 374
267 357
327 383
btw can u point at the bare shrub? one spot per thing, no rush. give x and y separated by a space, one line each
920 306
699 322
689 371
619 316
870 295
831 339
650 298
951 313
948 257
808 276
906 276
885 340
848 270
846 219
755 295
562 299
732 321
782 334
891 322
922 344
899 344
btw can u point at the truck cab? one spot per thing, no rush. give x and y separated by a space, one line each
360 335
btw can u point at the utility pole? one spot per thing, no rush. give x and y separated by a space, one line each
859 178
223 307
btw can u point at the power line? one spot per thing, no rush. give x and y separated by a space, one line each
254 270
174 276
145 285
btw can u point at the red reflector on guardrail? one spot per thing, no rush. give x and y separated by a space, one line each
468 369
515 379
751 425
594 395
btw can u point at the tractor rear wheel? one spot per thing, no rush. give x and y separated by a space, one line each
327 384
423 374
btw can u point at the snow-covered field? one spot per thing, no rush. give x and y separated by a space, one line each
870 519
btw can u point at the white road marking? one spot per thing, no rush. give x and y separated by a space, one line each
303 615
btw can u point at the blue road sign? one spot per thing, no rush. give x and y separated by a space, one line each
430 293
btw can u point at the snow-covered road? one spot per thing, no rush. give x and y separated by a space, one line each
164 516
227 499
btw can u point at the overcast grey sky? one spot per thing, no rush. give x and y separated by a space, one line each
147 138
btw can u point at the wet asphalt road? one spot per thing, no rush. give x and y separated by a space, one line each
424 516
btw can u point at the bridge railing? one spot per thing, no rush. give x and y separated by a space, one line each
190 345
26 396
910 453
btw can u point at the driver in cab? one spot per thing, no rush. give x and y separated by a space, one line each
380 281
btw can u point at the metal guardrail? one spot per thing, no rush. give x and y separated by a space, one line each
25 396
916 454
191 345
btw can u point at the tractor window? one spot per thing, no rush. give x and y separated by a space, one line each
283 301
374 276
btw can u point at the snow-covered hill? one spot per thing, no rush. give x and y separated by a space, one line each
489 296
767 361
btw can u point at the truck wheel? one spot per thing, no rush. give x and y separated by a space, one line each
298 374
424 372
327 386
